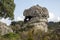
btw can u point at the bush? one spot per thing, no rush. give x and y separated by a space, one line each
11 36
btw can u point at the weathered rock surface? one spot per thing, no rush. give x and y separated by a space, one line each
4 29
36 11
37 16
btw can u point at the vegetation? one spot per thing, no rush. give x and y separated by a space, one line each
7 8
20 26
10 36
19 32
32 36
16 26
28 34
52 34
54 25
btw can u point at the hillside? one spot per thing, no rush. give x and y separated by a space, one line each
34 27
52 34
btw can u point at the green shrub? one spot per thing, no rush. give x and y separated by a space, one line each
11 36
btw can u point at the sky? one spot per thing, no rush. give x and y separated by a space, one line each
53 7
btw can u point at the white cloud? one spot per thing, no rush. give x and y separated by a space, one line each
5 21
58 18
51 16
9 21
19 18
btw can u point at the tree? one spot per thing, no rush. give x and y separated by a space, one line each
7 8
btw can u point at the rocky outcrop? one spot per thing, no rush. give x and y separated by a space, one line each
36 11
37 16
4 29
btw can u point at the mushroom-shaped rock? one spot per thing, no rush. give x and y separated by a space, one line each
36 11
37 16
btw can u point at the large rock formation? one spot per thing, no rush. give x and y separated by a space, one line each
4 29
37 16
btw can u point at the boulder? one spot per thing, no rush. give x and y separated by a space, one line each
37 16
4 29
36 11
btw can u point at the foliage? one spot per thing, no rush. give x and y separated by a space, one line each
34 35
30 35
10 36
7 8
13 23
53 25
16 25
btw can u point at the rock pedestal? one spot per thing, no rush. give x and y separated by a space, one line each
37 16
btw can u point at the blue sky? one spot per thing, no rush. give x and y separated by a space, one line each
53 7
